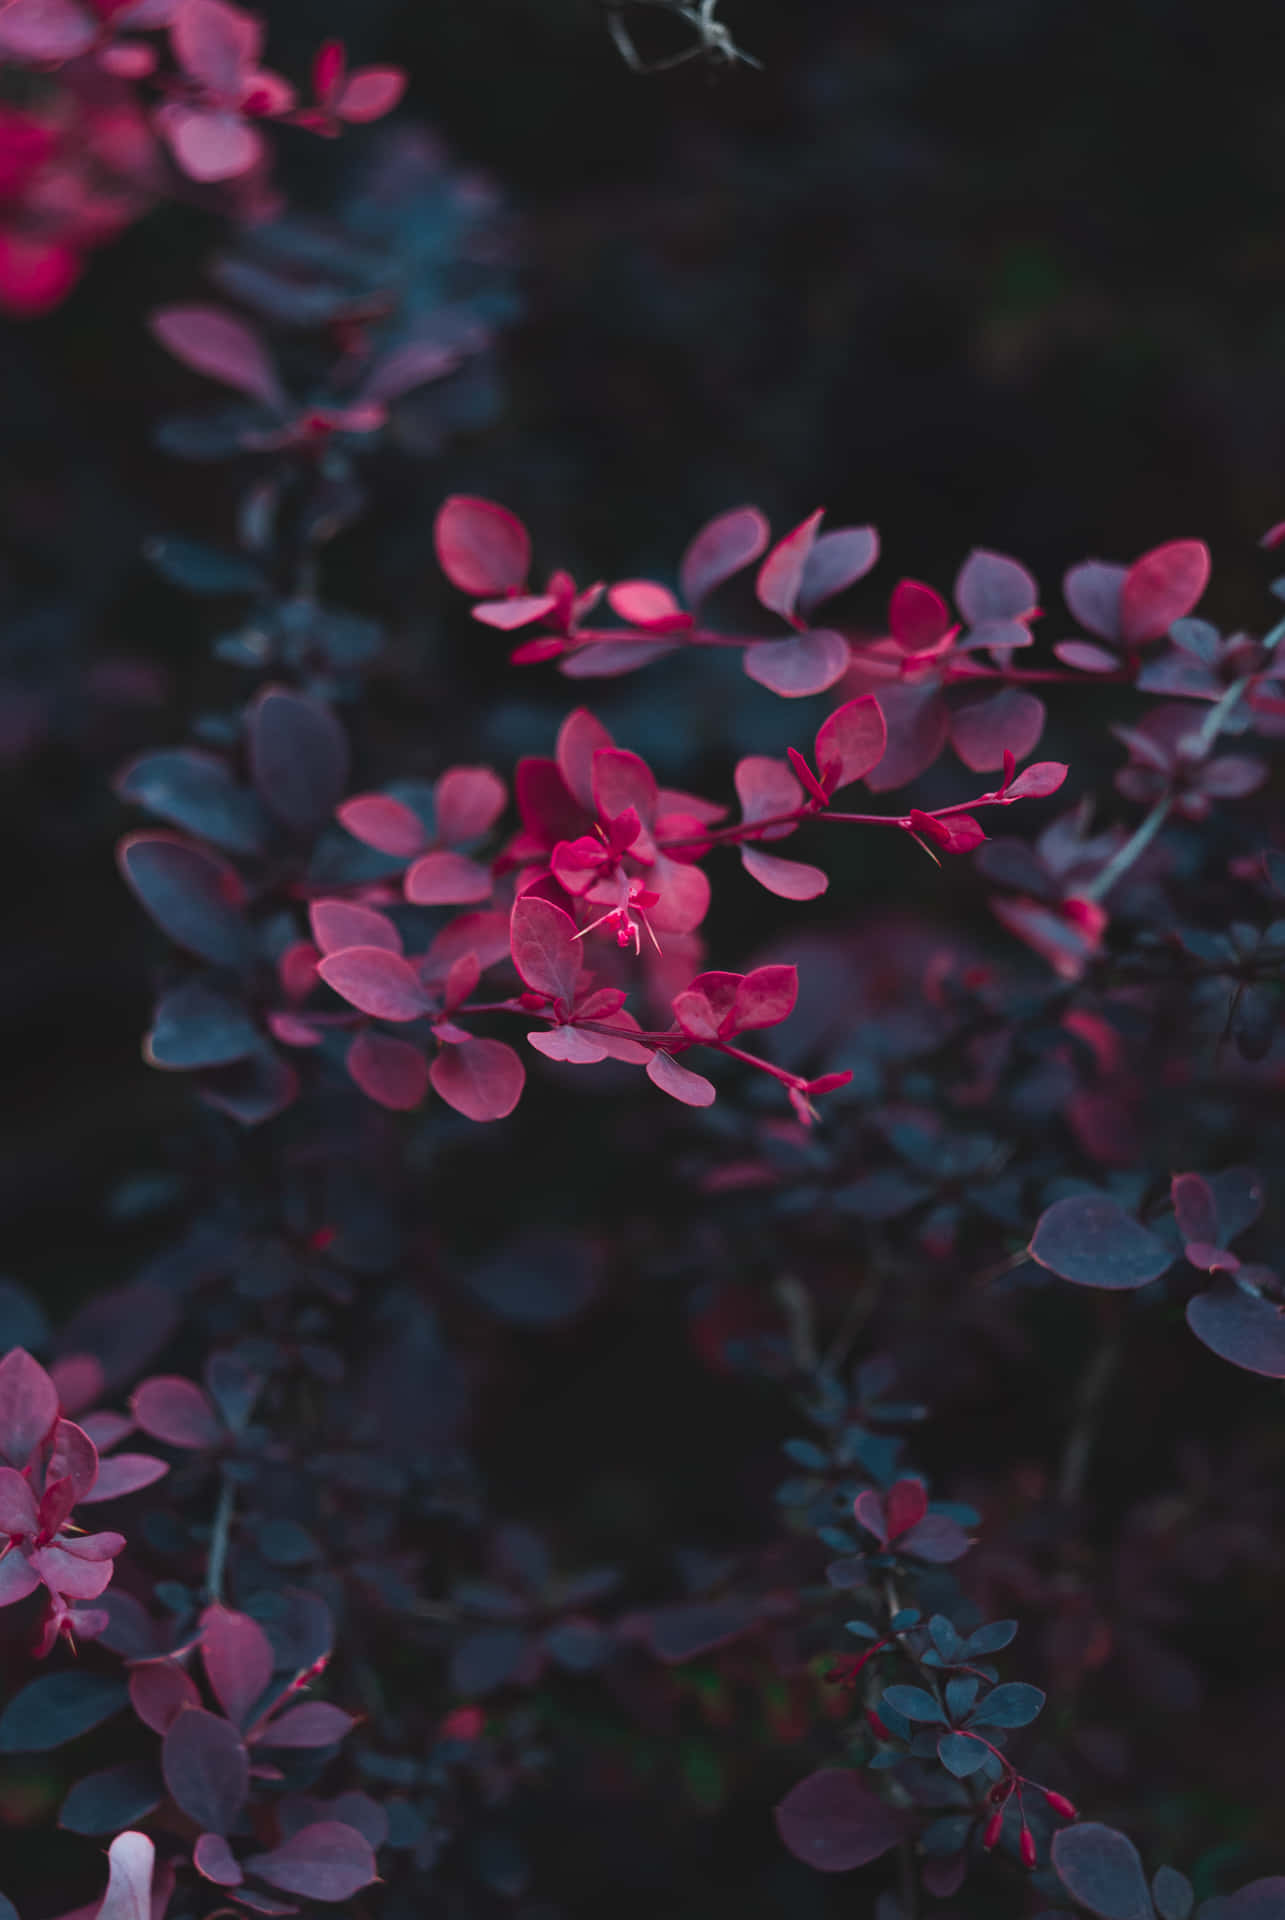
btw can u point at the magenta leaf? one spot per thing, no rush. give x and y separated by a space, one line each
545 949
214 1860
481 548
314 1724
237 1656
339 924
389 1071
327 1861
131 1860
377 982
177 1411
468 802
28 1406
206 1768
705 1009
519 611
918 617
17 1503
217 344
721 549
1242 1327
209 144
580 737
765 997
833 1822
809 663
569 1045
446 879
124 1473
767 788
836 560
1085 657
918 722
1038 781
1091 1240
1162 587
45 30
850 742
679 1082
1092 591
905 1505
604 659
159 1690
788 879
379 821
1100 1868
1195 1208
1010 721
371 92
781 575
192 895
622 780
298 756
645 603
482 1079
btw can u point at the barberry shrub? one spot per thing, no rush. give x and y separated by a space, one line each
334 1668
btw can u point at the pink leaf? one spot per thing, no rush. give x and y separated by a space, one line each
206 1769
28 1406
18 1578
446 880
918 722
159 1691
328 1861
1162 587
468 802
337 924
836 561
379 983
1085 657
214 1860
131 1859
781 575
314 1724
1039 780
237 1656
125 1473
644 603
45 30
809 663
721 549
390 1071
765 997
482 1079
604 659
210 145
481 548
520 611
684 895
620 1048
905 1505
545 950
679 1082
918 617
833 1822
705 1009
370 94
484 935
1010 721
1093 591
991 589
789 879
570 1045
850 742
216 43
766 788
66 1568
215 343
579 738
622 780
17 1503
74 1456
177 1411
380 821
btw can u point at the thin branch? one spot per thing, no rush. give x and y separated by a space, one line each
713 41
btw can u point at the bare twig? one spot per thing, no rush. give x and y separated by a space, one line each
713 41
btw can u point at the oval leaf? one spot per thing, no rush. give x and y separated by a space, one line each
482 1079
1100 1868
298 756
327 1861
206 1768
1089 1239
378 982
834 1823
482 548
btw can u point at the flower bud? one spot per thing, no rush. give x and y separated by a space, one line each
1026 1843
994 1827
1060 1804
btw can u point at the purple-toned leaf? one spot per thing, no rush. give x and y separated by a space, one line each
216 43
298 755
237 1656
1172 1893
721 549
1091 1240
314 1724
1238 1195
1232 775
375 981
482 548
74 1454
192 895
991 588
327 1861
519 611
371 92
389 1071
210 144
850 742
17 1503
45 30
468 802
58 1707
124 1473
446 879
78 1566
1092 591
545 949
1195 1208
1241 1327
767 788
1100 1868
206 1768
214 1860
788 879
580 737
482 1079
1260 1900
1085 657
1162 587
604 659
781 575
411 365
705 1008
28 1406
918 723
937 1539
377 820
1038 781
198 792
177 1411
340 924
159 1690
679 1082
219 345
1010 721
622 780
833 1822
131 1861
765 997
836 561
569 1045
806 664
18 1578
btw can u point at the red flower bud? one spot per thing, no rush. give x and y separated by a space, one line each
1060 1804
994 1826
1027 1845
